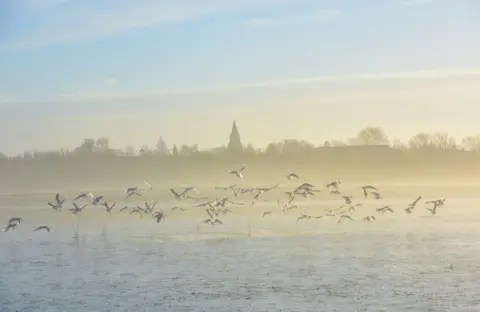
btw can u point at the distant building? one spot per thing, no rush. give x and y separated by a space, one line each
235 143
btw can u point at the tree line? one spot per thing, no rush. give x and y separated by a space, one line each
368 137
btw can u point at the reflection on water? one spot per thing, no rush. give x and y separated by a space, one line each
416 264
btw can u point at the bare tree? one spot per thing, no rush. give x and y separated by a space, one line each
471 143
443 141
291 146
189 150
420 140
162 148
372 136
274 148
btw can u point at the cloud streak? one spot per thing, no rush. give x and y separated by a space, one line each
107 96
60 21
317 16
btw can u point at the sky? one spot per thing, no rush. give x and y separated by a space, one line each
185 69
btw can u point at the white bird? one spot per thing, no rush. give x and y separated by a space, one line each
333 184
177 208
58 203
436 204
96 200
159 216
109 208
376 194
131 189
136 193
212 220
77 209
149 186
15 219
345 217
238 173
42 227
285 206
365 189
183 194
354 207
348 199
303 216
11 227
83 195
369 218
410 207
385 209
292 175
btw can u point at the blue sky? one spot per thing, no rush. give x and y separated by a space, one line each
61 59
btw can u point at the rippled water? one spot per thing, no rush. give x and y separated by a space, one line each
398 264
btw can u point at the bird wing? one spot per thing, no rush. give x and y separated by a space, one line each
209 213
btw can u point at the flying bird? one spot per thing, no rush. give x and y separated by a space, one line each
11 227
131 189
365 189
292 175
239 172
266 213
42 227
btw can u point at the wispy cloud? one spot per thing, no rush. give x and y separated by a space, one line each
106 96
317 16
59 21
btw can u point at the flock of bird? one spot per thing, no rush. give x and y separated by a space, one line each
221 206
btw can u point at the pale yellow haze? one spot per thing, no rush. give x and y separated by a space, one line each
313 109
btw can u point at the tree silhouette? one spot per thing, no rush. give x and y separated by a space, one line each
471 143
162 148
290 146
443 141
437 140
175 151
274 148
235 143
420 140
189 150
102 145
371 136
87 146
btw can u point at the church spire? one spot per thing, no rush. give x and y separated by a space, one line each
235 144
